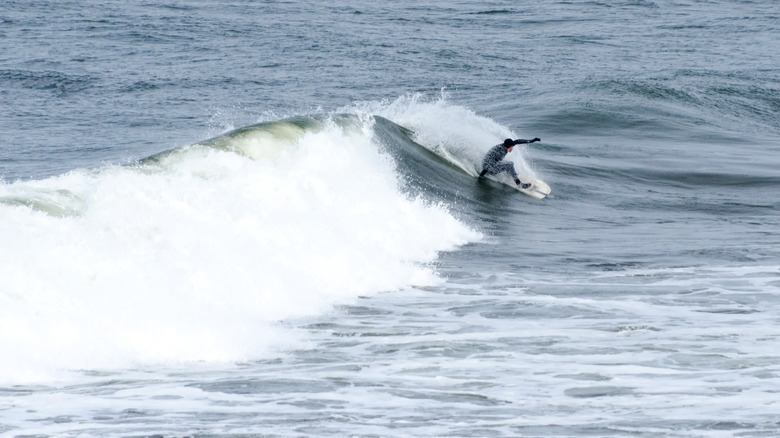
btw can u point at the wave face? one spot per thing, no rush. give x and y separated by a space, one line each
197 253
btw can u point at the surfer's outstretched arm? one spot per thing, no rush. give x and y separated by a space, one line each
522 141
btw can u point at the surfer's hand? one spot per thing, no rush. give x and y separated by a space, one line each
536 139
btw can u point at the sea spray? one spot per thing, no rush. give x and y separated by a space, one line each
454 132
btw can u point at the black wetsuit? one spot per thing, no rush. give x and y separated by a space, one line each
493 164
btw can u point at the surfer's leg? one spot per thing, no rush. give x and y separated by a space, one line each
510 167
506 166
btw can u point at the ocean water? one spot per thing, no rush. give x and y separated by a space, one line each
236 218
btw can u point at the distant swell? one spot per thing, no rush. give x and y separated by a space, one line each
686 101
45 80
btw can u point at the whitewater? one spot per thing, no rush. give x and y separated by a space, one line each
196 254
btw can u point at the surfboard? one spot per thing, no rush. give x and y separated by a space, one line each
539 189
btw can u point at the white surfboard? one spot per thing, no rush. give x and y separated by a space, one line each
539 189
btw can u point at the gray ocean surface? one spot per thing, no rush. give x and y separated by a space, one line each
641 298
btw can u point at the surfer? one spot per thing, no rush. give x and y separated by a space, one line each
493 164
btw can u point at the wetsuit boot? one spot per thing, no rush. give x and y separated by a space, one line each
520 184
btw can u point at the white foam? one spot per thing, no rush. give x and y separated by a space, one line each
198 258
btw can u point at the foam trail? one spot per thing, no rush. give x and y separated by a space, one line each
197 254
